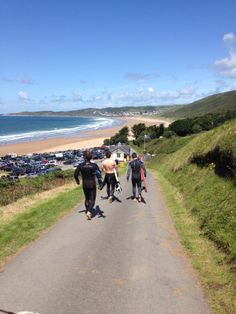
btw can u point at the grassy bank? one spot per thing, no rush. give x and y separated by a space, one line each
211 198
215 275
12 191
27 226
203 206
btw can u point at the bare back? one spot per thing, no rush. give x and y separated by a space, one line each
108 165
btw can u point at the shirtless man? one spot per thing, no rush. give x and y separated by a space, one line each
108 166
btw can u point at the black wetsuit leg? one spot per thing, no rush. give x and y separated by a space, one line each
136 182
113 183
110 180
134 187
139 184
90 197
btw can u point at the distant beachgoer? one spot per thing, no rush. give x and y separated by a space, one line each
134 169
88 170
141 157
109 167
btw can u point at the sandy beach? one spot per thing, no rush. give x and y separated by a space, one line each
86 140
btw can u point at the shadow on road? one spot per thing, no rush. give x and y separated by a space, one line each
98 212
115 199
132 198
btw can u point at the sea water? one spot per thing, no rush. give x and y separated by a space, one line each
15 129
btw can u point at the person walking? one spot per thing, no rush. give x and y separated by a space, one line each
134 169
109 166
88 170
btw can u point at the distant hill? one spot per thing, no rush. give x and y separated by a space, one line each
109 111
215 103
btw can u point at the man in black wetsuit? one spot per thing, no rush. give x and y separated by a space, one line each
88 171
135 167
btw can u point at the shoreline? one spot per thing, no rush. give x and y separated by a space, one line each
87 139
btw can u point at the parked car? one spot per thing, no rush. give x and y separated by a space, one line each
52 162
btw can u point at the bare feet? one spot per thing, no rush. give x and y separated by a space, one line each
89 216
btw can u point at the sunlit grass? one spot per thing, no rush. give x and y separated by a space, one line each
216 276
27 226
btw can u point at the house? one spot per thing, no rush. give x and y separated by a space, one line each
120 152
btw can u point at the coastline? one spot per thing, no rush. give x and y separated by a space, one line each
87 139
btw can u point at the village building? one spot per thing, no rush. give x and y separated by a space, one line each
120 152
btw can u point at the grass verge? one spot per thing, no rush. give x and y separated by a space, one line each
8 212
27 226
218 281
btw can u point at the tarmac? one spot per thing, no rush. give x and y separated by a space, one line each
128 259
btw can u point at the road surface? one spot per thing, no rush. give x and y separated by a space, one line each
127 259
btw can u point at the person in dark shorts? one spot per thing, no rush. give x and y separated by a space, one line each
134 169
109 166
88 170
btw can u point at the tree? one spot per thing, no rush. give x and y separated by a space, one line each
153 131
137 129
161 129
196 128
120 137
106 142
181 127
124 131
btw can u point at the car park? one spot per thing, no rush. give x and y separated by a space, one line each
40 164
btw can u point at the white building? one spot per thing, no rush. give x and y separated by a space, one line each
120 152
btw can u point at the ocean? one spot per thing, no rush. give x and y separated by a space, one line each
15 129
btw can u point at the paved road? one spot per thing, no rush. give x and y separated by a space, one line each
126 260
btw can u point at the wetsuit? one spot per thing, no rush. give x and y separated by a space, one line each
110 181
88 171
135 167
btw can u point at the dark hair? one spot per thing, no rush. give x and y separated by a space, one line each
134 155
87 155
108 154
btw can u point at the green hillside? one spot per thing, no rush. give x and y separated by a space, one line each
215 103
209 196
203 206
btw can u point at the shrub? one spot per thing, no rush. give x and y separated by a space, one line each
12 191
223 160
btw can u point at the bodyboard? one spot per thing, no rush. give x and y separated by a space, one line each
143 179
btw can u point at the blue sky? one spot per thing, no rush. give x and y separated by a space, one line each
63 55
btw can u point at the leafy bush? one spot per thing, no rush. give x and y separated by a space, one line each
203 123
223 160
120 137
12 191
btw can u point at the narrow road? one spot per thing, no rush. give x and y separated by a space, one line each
128 259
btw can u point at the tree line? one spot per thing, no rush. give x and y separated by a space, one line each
180 127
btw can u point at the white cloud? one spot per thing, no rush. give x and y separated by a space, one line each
23 96
151 90
229 37
227 66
